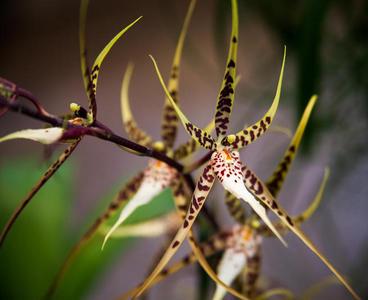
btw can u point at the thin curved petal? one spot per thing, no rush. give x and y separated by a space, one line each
152 228
43 136
199 196
305 215
48 174
263 194
90 77
207 268
169 118
201 136
274 184
86 74
191 146
134 132
250 134
181 199
227 91
125 193
212 246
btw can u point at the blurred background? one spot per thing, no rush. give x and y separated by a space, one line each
327 54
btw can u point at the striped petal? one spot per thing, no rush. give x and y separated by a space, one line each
227 91
215 244
199 135
130 125
259 189
43 136
201 191
125 193
169 118
305 215
90 77
186 149
250 134
274 184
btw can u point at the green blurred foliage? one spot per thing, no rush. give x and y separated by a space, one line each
41 237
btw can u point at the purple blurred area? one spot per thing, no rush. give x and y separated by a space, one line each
40 52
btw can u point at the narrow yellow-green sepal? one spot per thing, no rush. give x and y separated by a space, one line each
275 182
250 134
169 119
201 136
227 91
316 201
97 64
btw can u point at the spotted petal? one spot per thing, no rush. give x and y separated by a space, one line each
227 91
228 169
201 136
260 190
274 184
44 136
169 118
250 134
215 244
126 192
90 77
191 146
134 132
48 174
305 215
199 196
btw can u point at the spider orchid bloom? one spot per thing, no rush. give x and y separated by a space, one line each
248 235
276 180
245 254
227 167
157 176
81 116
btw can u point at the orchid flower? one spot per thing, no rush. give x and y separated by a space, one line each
157 176
241 247
81 116
225 164
244 251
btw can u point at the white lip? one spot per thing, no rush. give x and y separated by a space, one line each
148 190
230 266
